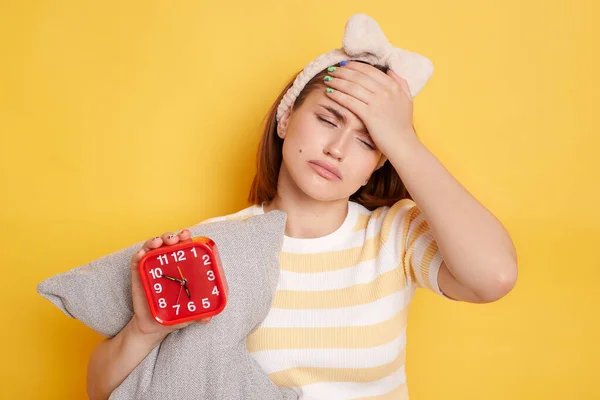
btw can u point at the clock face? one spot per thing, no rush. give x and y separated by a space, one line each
183 282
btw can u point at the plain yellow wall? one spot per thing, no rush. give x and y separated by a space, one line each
123 120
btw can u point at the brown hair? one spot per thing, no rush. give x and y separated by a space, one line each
384 187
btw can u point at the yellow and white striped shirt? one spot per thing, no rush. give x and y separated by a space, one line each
337 326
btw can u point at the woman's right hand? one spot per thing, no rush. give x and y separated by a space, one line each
142 319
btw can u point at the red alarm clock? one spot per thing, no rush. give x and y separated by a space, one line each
184 281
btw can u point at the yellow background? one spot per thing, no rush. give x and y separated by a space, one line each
123 120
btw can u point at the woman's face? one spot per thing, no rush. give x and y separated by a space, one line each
316 139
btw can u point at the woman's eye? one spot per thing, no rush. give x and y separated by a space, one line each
324 120
368 145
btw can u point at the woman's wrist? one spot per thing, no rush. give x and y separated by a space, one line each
134 331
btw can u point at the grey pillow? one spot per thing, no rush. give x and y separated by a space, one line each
199 361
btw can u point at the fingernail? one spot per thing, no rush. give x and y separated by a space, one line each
329 90
328 78
331 69
343 63
155 238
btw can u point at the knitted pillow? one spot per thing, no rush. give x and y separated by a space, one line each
199 361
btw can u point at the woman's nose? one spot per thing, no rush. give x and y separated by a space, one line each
337 146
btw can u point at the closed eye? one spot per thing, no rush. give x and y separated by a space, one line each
368 145
329 122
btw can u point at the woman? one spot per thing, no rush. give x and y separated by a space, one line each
344 162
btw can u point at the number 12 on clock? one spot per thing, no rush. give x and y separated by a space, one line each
179 256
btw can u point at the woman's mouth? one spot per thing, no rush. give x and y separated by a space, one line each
326 171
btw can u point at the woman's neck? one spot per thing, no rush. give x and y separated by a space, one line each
307 219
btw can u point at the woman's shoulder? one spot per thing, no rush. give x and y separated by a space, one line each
383 212
383 218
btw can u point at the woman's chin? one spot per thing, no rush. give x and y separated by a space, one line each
323 190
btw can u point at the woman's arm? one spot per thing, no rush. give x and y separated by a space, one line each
477 251
113 359
480 260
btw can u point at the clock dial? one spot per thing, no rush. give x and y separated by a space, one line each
182 282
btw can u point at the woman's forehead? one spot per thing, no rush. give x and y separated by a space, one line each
322 102
319 99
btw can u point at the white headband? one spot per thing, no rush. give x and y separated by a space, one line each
364 41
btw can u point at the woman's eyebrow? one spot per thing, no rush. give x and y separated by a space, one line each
341 117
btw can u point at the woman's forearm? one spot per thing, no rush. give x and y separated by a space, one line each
112 360
476 247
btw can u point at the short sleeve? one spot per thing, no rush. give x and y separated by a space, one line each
406 234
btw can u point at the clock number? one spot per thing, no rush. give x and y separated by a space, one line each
194 251
205 303
215 290
162 303
176 306
163 259
206 259
211 275
158 287
191 306
156 273
178 255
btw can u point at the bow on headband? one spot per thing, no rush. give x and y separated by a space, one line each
364 41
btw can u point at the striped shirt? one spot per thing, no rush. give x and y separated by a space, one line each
337 325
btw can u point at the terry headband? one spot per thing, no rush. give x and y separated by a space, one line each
364 41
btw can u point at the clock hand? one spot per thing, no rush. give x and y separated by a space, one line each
184 283
177 301
172 279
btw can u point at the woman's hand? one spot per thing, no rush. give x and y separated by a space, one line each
143 321
381 100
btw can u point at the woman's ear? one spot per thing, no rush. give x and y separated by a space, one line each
283 123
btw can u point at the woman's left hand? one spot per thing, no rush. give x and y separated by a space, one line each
381 100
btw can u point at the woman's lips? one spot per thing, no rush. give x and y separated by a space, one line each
324 171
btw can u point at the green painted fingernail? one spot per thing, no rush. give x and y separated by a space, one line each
328 78
329 90
331 69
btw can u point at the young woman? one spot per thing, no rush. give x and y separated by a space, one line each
371 216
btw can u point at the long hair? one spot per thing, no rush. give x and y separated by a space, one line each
384 187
